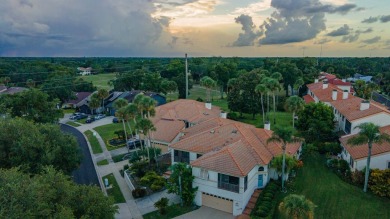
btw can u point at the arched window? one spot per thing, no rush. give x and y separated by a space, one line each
261 169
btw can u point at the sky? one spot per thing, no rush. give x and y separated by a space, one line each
201 28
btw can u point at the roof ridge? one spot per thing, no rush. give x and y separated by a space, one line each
229 152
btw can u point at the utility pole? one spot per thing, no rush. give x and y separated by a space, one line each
186 77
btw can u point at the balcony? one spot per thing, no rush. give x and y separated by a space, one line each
229 187
181 159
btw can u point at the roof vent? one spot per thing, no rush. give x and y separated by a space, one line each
325 84
364 105
234 131
212 131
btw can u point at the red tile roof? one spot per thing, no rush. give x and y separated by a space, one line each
325 95
337 81
308 99
230 147
361 151
350 108
169 118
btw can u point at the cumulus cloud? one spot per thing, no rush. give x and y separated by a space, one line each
385 19
372 40
342 9
344 30
350 38
70 27
368 30
370 20
322 41
249 36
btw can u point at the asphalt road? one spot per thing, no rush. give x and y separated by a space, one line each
86 173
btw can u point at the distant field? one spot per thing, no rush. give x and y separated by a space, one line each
196 92
100 80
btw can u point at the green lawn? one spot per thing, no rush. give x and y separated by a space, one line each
194 93
334 197
102 162
68 111
96 149
115 191
172 211
72 124
100 80
107 132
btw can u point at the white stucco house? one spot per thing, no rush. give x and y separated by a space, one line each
356 156
84 71
229 161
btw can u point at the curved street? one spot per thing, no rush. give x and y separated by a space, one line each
86 173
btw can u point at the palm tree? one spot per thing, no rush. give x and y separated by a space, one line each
149 104
102 94
138 101
121 114
262 89
290 162
294 104
368 134
283 135
146 126
297 206
298 84
266 82
208 83
273 86
94 102
132 112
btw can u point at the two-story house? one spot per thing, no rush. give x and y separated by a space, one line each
229 161
356 156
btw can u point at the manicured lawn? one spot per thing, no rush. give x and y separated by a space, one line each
115 191
172 211
100 80
102 162
118 158
334 197
194 93
68 111
82 121
107 132
94 142
72 124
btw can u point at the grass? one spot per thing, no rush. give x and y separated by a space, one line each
100 80
73 124
172 211
115 191
334 197
107 132
96 149
118 158
82 121
69 111
102 162
194 93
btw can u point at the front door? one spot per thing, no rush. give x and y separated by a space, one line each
260 181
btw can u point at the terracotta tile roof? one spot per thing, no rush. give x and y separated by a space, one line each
361 151
337 81
230 147
328 76
350 108
169 118
308 99
325 95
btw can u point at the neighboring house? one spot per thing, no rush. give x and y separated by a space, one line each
129 96
353 111
229 161
109 102
11 90
84 71
356 156
365 78
172 118
81 98
324 92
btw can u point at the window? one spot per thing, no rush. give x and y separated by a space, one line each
198 155
260 169
351 162
181 156
230 183
388 164
347 127
246 182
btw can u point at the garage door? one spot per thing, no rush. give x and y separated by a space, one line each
217 202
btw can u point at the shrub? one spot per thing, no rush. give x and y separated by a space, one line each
232 116
122 172
262 211
158 184
268 194
199 99
162 205
266 204
268 199
329 147
379 182
341 168
357 178
138 192
126 166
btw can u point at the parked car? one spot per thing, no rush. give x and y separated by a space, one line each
115 120
136 142
100 116
90 120
74 116
81 116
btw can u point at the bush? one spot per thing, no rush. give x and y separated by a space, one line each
266 204
357 178
329 147
199 99
138 192
341 168
379 182
267 199
162 205
232 116
126 166
262 211
122 172
152 180
268 195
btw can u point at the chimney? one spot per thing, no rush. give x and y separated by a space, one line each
325 84
223 114
334 94
208 105
345 94
267 125
316 80
365 104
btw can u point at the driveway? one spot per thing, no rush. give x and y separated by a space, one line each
86 173
206 212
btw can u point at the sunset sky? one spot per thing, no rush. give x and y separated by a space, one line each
170 28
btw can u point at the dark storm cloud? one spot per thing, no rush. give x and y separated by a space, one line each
342 31
372 40
173 42
249 36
